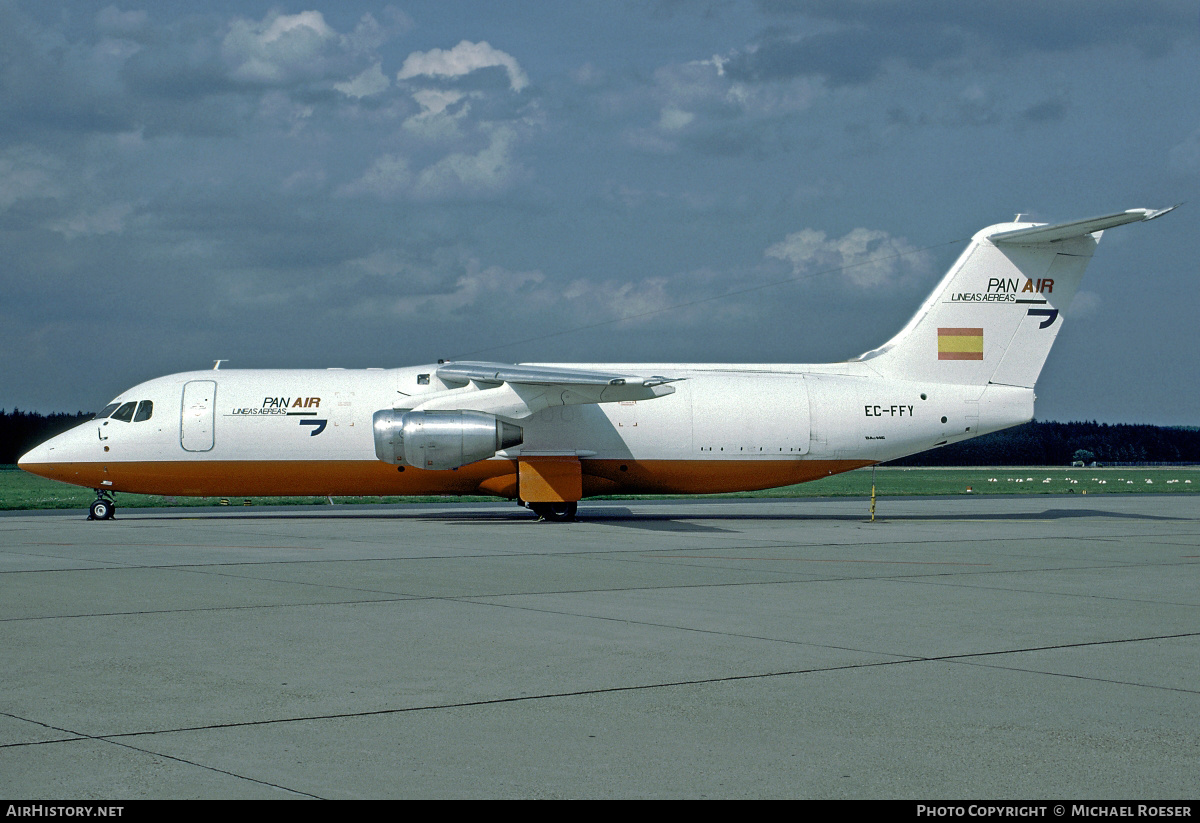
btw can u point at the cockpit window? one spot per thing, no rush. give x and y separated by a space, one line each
144 410
125 413
107 410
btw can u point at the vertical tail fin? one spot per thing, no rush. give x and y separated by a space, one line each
995 314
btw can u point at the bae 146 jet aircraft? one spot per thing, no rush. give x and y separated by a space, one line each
549 435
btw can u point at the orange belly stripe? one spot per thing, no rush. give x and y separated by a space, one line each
263 478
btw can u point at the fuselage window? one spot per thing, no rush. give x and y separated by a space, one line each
107 410
125 412
144 410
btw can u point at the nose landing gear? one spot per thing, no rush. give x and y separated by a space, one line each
103 507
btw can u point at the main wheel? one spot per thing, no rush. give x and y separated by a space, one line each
101 510
555 512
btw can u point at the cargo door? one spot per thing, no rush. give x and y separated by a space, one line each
750 415
198 412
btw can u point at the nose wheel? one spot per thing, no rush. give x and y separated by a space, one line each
102 507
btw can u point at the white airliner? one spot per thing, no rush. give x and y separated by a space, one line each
550 435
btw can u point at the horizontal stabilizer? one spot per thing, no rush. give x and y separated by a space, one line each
1075 228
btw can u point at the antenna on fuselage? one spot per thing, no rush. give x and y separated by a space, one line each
217 364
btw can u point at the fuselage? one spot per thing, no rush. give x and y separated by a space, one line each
964 365
724 428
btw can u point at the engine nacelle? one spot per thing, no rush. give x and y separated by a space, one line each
440 439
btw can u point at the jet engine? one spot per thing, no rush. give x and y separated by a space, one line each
440 439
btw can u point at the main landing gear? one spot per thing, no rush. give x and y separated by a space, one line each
554 512
103 507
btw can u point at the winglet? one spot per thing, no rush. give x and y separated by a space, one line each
1076 228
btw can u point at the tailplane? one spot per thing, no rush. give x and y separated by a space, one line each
996 313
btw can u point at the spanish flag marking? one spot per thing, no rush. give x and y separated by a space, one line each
960 344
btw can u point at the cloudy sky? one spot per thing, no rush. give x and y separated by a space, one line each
315 184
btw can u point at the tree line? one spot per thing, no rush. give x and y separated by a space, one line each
20 430
1033 444
1040 443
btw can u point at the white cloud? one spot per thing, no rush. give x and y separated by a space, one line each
698 105
463 59
286 24
435 101
489 171
703 84
108 219
389 176
460 174
865 258
372 81
616 300
437 121
673 119
455 286
279 107
370 34
277 49
448 288
26 173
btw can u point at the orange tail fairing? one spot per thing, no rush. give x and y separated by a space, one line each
375 478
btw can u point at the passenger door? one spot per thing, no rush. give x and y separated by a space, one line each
198 412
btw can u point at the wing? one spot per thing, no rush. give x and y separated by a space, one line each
541 375
518 391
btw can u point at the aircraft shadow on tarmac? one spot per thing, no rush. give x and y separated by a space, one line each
686 522
624 517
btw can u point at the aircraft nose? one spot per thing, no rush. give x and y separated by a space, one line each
41 459
34 458
64 457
